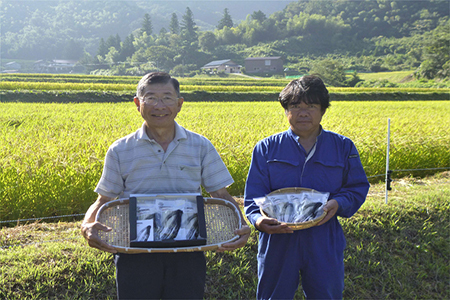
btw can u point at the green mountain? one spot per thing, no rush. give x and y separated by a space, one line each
134 37
37 29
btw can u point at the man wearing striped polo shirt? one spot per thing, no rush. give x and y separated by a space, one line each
160 157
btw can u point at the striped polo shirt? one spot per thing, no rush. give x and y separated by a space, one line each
136 164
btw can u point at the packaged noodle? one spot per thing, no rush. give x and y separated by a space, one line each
312 207
298 202
293 207
266 205
278 204
171 216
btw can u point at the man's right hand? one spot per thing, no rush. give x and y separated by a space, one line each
271 226
90 227
90 233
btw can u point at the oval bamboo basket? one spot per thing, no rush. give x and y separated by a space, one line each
221 216
296 226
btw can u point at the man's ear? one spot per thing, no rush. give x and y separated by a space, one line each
180 101
138 104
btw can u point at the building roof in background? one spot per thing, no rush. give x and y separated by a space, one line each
220 63
259 58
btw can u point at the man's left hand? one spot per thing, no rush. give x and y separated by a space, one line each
331 208
244 234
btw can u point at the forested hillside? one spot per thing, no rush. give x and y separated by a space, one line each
43 28
131 37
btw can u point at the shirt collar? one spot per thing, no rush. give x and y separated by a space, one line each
295 137
180 133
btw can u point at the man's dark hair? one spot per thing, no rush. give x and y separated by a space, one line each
157 77
309 89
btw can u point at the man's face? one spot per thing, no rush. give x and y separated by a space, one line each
159 105
304 118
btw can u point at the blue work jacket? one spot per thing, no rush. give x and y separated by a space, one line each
333 165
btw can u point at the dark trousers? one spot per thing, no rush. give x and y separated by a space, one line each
160 275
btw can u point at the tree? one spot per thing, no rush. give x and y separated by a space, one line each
127 48
112 56
118 42
249 37
163 38
147 26
226 20
174 26
436 54
226 36
184 70
331 72
102 49
258 16
207 41
88 62
160 56
143 41
162 32
113 41
188 28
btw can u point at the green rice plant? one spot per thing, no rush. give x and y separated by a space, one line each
394 251
51 155
269 86
63 86
71 78
233 89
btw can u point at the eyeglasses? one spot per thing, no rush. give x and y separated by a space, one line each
308 107
151 100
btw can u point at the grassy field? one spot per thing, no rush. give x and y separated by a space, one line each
229 84
51 155
395 77
223 88
398 250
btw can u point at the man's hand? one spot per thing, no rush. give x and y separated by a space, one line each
331 208
244 234
90 233
271 226
90 228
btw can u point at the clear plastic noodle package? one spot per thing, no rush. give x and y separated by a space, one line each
297 207
165 219
179 219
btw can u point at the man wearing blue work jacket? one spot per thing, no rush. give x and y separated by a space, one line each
306 155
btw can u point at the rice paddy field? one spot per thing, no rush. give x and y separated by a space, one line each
233 84
51 155
239 86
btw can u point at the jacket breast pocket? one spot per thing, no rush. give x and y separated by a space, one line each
330 174
283 173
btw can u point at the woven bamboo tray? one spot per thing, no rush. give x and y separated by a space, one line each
296 226
221 216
